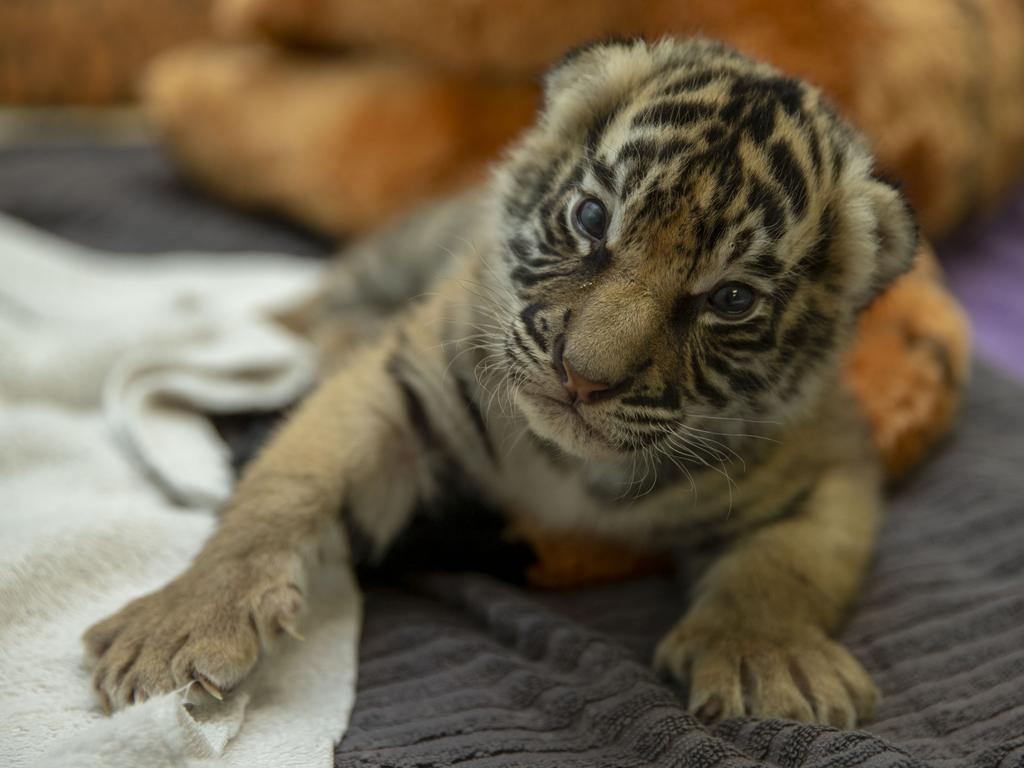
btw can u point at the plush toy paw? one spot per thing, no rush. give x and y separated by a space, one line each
286 20
910 363
316 138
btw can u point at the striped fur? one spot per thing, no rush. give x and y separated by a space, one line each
729 437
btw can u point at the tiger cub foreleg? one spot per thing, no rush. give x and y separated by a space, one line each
350 444
756 639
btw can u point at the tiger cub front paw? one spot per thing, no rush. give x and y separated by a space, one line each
732 668
207 626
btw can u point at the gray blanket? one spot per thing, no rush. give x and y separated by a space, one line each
463 669
460 669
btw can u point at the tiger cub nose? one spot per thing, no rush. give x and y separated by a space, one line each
578 387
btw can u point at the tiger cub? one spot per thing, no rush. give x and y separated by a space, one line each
637 333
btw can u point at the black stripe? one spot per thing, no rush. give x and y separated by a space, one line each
816 262
787 91
786 170
510 352
813 142
675 113
528 277
760 343
759 121
685 309
798 335
765 265
818 339
520 248
760 198
605 175
475 415
784 292
547 449
714 133
693 82
744 327
634 439
744 381
669 398
637 150
643 419
751 115
730 179
532 183
708 231
414 410
518 339
541 261
633 179
565 233
645 439
552 236
528 316
838 160
598 258
657 203
551 184
706 389
673 148
597 128
546 251
637 154
570 182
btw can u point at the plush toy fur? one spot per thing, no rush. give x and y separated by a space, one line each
336 146
88 52
935 84
427 95
911 358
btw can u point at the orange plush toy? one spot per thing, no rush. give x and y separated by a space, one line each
342 113
417 97
88 52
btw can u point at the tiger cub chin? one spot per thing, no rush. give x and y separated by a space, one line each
637 331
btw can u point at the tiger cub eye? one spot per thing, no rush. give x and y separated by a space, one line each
732 299
591 218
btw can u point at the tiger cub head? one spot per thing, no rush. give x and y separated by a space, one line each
688 235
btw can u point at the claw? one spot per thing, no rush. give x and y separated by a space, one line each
210 688
709 710
292 631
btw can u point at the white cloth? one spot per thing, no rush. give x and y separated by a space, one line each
105 363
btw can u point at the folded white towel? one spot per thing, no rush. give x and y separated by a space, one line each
106 363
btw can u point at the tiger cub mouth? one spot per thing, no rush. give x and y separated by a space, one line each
566 424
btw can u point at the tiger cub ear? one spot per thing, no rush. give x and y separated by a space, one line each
585 61
592 79
892 234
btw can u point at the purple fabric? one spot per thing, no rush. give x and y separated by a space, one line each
985 266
